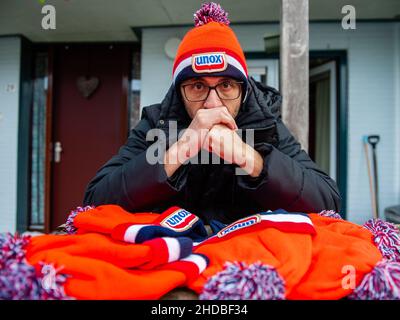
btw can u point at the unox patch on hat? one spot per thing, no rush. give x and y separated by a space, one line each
209 62
174 222
279 219
211 47
240 224
179 220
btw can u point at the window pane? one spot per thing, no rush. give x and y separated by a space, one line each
38 141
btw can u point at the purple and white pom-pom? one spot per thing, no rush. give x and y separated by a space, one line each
382 283
208 12
12 247
386 238
330 214
69 225
19 280
241 282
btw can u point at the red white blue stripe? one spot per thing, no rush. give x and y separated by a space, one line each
192 266
175 222
166 249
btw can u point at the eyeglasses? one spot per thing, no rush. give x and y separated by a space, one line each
226 90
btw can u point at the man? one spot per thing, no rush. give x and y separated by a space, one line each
210 99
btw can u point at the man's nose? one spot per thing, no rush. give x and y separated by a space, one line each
212 100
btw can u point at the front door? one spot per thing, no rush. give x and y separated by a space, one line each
90 120
323 123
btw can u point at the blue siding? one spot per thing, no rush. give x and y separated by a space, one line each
9 107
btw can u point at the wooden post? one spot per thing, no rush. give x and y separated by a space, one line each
294 68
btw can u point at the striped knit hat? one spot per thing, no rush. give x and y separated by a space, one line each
210 48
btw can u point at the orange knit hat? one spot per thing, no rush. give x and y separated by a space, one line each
210 48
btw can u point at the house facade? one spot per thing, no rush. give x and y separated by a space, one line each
68 103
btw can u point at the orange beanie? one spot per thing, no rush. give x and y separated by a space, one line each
287 255
210 48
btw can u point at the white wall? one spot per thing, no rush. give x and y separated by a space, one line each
9 104
372 107
372 110
396 81
373 95
156 67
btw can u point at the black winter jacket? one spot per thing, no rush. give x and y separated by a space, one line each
289 179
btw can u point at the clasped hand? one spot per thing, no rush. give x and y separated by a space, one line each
214 130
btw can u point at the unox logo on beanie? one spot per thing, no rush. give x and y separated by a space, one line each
179 220
240 224
209 62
